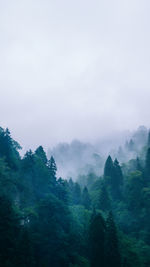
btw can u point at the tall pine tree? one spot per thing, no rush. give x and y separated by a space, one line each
112 254
97 241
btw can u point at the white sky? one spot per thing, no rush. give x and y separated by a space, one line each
73 69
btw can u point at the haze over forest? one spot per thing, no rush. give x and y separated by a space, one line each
73 70
74 133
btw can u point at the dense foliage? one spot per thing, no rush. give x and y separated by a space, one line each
93 221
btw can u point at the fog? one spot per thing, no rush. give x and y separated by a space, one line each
73 69
77 158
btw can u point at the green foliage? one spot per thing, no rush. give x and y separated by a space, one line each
112 253
86 201
46 221
97 241
104 200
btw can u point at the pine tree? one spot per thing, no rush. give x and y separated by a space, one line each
9 149
147 165
28 160
118 179
76 194
52 167
25 250
41 154
104 201
97 241
109 168
112 254
9 232
138 165
113 177
86 201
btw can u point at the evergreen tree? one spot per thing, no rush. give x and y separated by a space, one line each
113 177
28 161
148 141
9 232
41 154
104 201
118 180
25 251
138 165
52 167
9 149
118 173
76 194
147 165
97 241
86 201
112 253
109 167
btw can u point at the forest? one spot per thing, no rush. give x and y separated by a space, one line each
95 220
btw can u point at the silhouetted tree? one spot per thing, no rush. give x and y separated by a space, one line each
104 201
86 201
97 241
112 253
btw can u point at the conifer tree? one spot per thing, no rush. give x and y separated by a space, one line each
76 194
52 167
97 241
41 154
9 149
109 168
112 253
86 201
118 179
113 177
104 201
138 165
147 164
9 232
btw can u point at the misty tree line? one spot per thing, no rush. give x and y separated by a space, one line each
94 221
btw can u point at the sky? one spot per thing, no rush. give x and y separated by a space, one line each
73 69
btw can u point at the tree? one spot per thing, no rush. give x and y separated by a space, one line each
109 168
118 173
113 177
9 232
25 251
41 154
104 201
86 201
138 165
148 141
97 241
118 179
134 192
147 165
76 194
9 149
112 253
52 167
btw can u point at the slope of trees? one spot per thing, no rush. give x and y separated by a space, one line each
94 221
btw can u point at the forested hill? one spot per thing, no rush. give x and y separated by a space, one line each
97 221
78 157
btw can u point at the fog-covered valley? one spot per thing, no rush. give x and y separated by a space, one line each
79 158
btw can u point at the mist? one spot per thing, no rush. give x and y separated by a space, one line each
73 70
79 158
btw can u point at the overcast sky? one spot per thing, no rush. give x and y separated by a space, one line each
73 69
